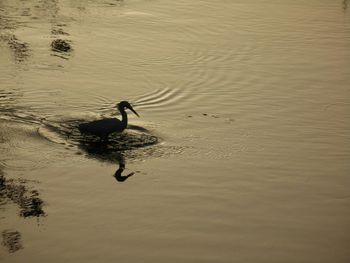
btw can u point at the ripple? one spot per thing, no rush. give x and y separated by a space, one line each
118 144
152 96
62 130
68 133
161 98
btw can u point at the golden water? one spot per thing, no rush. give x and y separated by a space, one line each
248 102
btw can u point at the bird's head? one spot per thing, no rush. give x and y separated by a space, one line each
124 104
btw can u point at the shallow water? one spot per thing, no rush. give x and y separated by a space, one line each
241 153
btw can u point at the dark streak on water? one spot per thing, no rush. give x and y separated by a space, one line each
60 45
19 48
28 201
12 240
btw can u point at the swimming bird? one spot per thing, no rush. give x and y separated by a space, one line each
103 128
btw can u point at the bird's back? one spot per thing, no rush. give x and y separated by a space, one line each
102 127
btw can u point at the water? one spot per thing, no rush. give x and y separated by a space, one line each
241 153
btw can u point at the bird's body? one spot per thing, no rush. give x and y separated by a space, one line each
104 127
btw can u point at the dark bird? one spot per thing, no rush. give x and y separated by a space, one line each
103 128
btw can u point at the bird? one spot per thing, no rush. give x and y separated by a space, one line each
103 128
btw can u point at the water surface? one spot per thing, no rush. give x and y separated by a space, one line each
241 153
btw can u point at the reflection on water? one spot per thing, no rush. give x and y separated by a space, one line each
60 45
119 147
28 201
7 98
8 24
19 48
345 5
12 240
108 152
118 174
14 15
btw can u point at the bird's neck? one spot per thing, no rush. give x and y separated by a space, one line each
124 118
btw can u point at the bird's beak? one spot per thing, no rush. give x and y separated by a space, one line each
134 111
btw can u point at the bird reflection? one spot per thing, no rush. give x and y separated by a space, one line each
118 174
345 5
104 152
